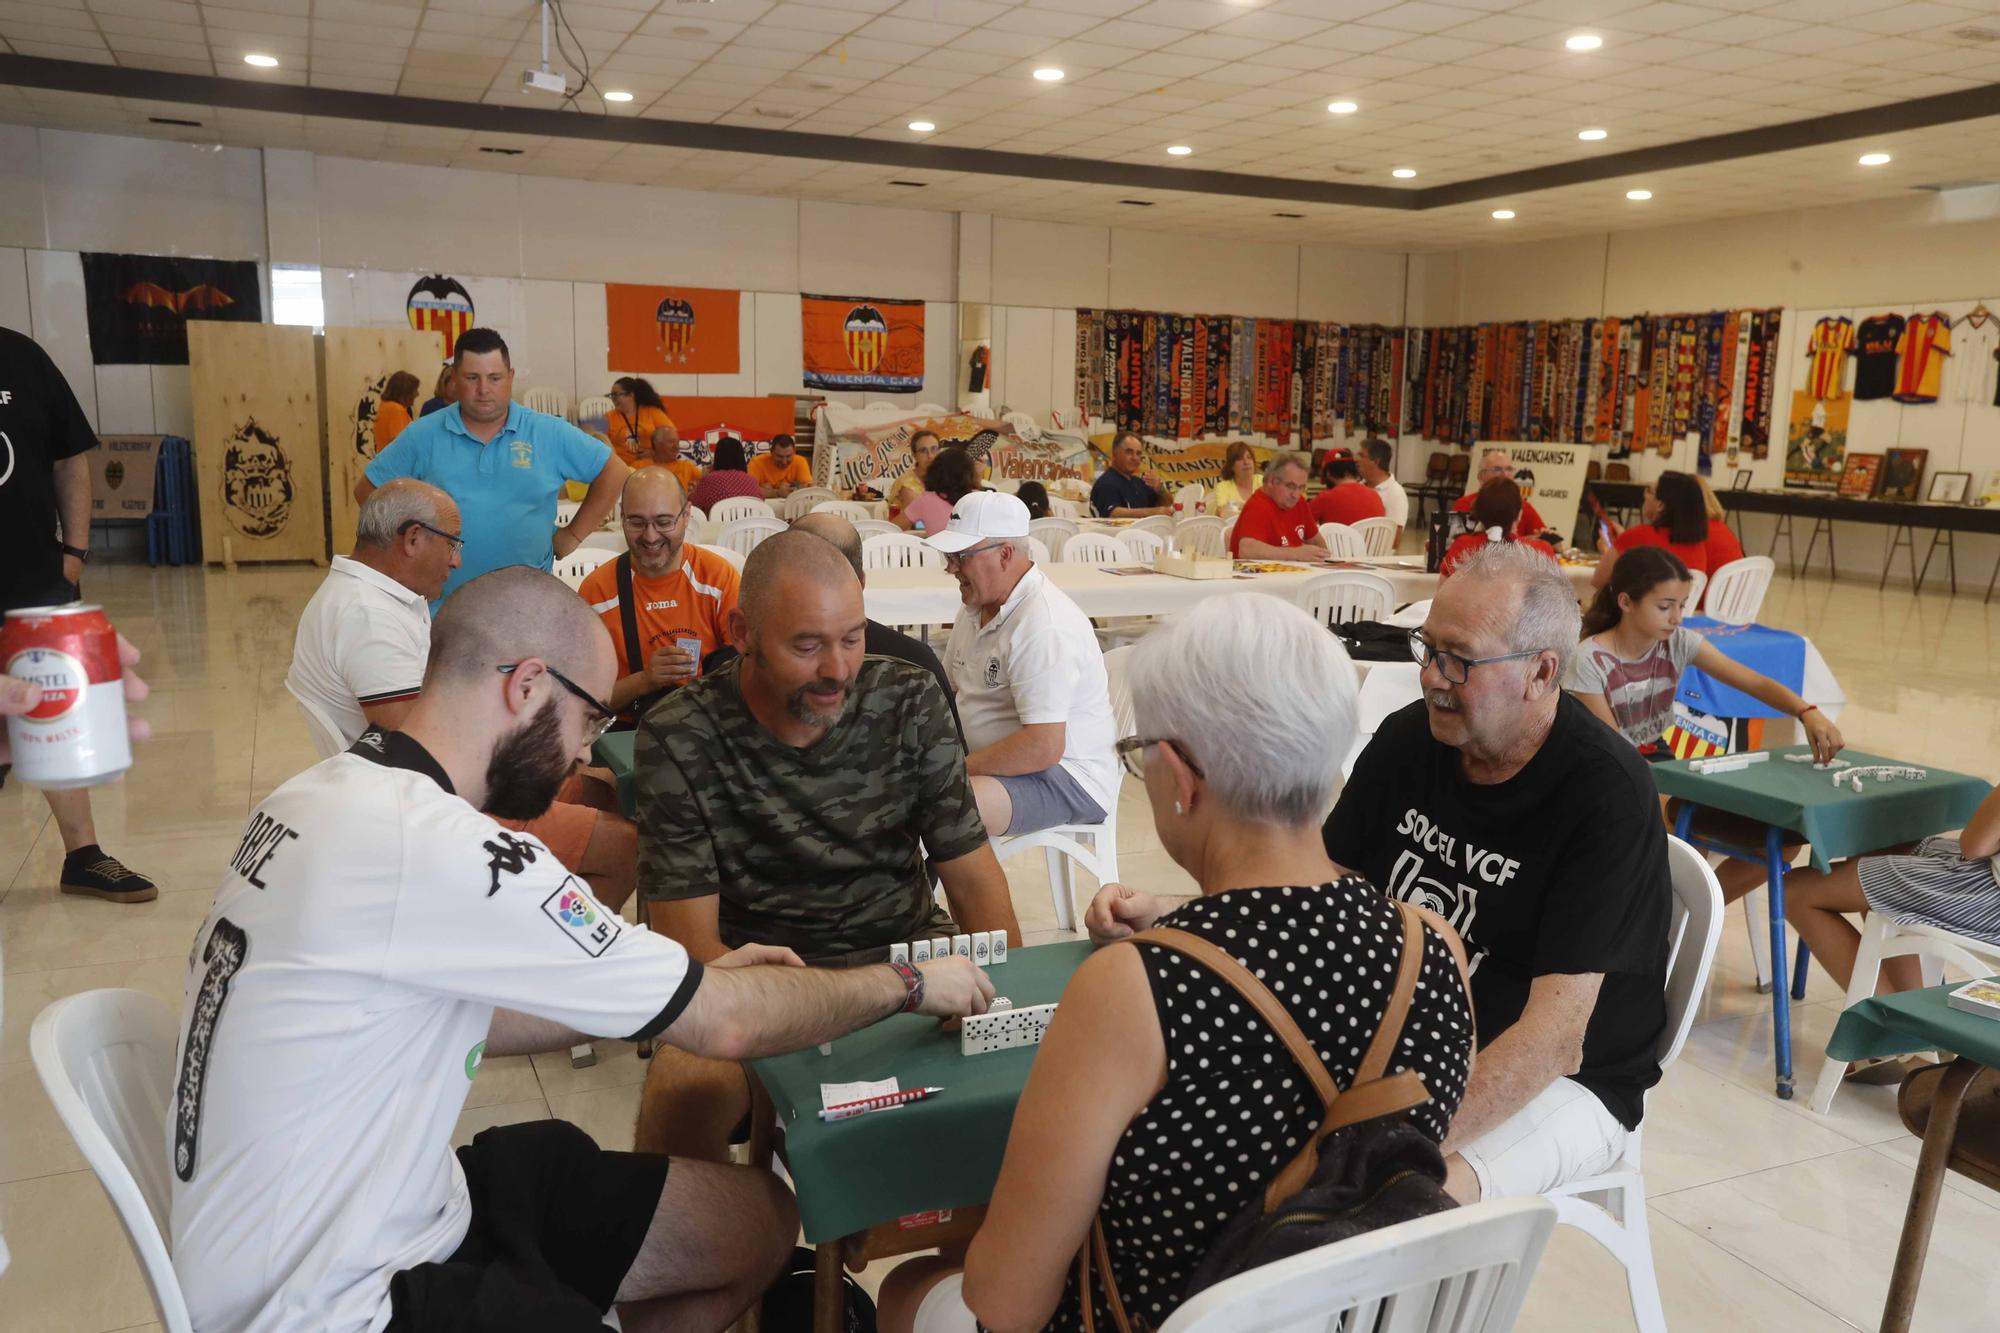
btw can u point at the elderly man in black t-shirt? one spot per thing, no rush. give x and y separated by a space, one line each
1502 804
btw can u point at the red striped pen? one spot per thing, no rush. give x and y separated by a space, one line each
844 1110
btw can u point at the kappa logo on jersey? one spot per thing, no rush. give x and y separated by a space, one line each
572 908
509 855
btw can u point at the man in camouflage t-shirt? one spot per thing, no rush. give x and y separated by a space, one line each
789 799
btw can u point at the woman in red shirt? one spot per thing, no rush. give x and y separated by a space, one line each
727 480
1723 547
1496 508
1674 516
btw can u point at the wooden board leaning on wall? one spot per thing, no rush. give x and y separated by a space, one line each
258 455
359 363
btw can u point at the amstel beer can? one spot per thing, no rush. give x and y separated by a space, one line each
75 737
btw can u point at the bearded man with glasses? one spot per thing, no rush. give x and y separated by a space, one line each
1505 806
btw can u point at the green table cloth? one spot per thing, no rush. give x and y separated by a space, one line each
1914 1020
1837 821
614 751
942 1152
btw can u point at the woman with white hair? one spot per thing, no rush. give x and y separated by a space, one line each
1159 1101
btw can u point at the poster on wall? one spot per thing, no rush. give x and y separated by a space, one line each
1816 441
139 306
701 420
1177 464
1551 475
863 343
871 446
671 330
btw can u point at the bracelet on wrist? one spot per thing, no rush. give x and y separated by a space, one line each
1809 708
913 985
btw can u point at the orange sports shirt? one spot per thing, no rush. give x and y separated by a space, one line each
765 471
693 602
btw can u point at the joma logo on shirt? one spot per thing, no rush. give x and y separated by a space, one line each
667 605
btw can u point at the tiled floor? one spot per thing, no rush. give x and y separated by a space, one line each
1763 1214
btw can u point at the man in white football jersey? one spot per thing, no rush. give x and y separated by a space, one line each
375 935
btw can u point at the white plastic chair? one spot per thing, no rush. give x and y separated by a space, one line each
574 567
803 501
1062 508
1387 687
611 539
1378 535
1697 580
1345 596
1095 548
743 535
876 527
1611 1208
1092 846
1883 938
900 550
1142 544
1466 1270
597 405
1341 541
326 737
740 506
1190 495
1159 523
696 518
1038 550
566 512
733 557
1054 532
548 398
106 1060
851 510
1736 591
1201 535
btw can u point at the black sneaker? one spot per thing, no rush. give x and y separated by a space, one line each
89 872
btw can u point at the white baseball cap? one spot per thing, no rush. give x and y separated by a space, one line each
981 516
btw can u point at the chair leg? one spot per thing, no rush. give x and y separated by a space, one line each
1062 891
1756 909
1867 970
1640 1278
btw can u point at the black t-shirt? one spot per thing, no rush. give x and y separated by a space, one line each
1875 356
40 424
1560 869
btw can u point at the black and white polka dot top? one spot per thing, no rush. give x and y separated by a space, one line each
1235 1108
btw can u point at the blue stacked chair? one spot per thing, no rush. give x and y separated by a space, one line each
173 529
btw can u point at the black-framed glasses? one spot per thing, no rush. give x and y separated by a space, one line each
457 542
1131 748
640 523
601 717
1455 667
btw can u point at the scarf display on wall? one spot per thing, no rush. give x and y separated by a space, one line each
1641 382
1187 376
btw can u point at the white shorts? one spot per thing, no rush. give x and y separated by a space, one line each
942 1309
1564 1134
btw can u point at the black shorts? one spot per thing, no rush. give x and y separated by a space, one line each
556 1224
14 597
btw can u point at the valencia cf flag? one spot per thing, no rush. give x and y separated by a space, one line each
863 343
672 330
139 305
442 305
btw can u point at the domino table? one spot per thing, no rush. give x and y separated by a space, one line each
915 1177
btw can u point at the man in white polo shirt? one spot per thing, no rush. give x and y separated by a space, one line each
1029 676
375 935
358 658
1377 460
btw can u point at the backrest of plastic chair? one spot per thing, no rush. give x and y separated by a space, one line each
1697 580
1736 591
574 567
1466 1270
852 511
1062 508
733 557
1693 927
1346 596
106 1058
1201 535
740 506
742 535
1095 548
326 737
1378 535
597 405
875 527
1190 495
1055 532
1143 544
1159 523
1341 541
547 398
566 512
1115 663
801 502
610 540
901 550
1038 550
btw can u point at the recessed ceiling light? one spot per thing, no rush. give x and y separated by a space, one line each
1584 41
1342 108
1404 173
1179 150
617 95
922 126
1592 136
1049 74
1874 159
261 61
1503 215
1638 196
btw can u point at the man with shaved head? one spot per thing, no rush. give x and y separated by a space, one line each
667 454
375 936
788 798
664 603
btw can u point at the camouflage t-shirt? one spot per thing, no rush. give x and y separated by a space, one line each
816 849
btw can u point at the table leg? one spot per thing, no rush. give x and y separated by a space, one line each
1781 1008
1924 1193
763 1124
829 1292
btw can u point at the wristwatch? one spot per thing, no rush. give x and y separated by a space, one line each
67 549
913 985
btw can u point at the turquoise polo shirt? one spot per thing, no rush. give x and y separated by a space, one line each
506 491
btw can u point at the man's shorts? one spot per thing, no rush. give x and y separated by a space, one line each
1564 1134
1048 798
556 1224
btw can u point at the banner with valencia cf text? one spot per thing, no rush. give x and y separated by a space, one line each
672 330
863 343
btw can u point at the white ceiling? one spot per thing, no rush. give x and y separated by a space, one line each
1458 91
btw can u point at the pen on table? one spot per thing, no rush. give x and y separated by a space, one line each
844 1110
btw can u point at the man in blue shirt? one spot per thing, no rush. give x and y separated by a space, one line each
504 465
1125 492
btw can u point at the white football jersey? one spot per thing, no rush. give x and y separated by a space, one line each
338 1000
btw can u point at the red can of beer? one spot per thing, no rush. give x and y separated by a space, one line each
76 736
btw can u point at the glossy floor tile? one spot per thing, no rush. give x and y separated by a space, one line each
1763 1214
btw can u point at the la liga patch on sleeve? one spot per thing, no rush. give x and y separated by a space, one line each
581 917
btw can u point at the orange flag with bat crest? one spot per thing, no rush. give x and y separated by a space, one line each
672 330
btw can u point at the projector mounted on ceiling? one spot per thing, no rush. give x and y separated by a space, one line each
545 79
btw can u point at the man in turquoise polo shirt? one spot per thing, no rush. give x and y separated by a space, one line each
504 465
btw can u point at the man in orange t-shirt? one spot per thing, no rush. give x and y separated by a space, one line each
667 454
681 595
781 471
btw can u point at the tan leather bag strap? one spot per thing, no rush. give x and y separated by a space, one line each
1095 1249
1390 1030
